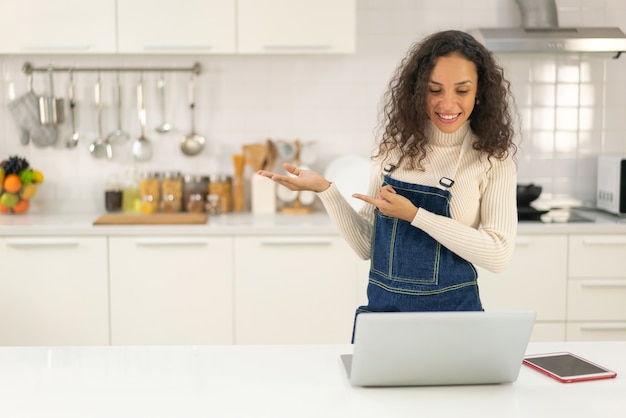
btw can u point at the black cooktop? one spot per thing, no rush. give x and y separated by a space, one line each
554 215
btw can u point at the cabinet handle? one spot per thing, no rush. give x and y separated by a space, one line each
38 243
283 242
603 327
56 47
605 241
604 284
171 243
311 47
175 47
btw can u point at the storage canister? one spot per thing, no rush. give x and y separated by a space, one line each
194 192
171 192
222 186
150 192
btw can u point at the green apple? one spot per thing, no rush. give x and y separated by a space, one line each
9 199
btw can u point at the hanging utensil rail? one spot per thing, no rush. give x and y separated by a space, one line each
28 69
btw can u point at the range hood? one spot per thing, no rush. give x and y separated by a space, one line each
540 32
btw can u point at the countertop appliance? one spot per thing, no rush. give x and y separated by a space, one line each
611 191
540 32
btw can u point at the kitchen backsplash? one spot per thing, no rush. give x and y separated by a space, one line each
572 107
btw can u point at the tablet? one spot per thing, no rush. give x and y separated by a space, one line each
567 367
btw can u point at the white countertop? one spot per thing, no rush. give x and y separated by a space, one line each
318 223
277 381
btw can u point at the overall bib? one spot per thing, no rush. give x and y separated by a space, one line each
410 271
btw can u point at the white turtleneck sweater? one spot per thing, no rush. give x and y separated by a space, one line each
483 223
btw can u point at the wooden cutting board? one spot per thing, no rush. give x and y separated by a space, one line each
153 219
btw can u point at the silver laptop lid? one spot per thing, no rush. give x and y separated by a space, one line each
439 348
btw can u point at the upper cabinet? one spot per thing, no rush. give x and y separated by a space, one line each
299 27
176 27
57 27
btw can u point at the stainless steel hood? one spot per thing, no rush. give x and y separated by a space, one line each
540 32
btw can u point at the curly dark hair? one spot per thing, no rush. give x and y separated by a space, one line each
405 112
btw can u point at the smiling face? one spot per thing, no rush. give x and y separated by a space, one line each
451 92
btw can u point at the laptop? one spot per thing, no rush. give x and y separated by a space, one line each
438 348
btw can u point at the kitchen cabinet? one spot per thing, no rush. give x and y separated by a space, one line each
59 27
536 279
301 27
171 290
54 291
597 288
294 290
176 27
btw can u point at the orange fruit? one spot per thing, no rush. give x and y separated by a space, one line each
21 206
4 209
12 183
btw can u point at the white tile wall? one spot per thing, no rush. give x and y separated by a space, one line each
572 107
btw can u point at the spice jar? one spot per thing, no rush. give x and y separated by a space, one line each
149 190
171 192
221 186
194 193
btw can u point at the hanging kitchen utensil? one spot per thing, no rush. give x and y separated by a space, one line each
118 135
164 127
25 111
51 109
72 140
100 147
142 148
192 144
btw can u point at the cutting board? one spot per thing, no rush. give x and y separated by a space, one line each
153 219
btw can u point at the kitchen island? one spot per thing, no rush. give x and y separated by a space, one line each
277 381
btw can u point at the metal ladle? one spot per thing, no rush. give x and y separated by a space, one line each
100 147
142 148
164 127
118 135
192 144
72 140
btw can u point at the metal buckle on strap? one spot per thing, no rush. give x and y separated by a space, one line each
446 182
389 168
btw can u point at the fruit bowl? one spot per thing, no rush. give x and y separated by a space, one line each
18 184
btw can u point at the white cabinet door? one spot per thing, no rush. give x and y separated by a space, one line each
61 26
171 290
299 290
596 298
303 26
176 26
536 280
54 291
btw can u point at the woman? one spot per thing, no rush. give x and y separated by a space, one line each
442 196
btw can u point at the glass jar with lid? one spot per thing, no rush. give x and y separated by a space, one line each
222 187
171 192
150 192
113 194
194 192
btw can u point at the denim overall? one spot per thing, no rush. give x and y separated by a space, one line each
410 271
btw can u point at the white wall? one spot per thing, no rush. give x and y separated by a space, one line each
572 107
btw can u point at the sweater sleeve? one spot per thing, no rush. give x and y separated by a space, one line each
355 227
490 245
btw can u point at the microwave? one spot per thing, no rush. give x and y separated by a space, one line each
611 192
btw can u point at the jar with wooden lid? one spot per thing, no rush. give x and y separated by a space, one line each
222 187
194 192
171 192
